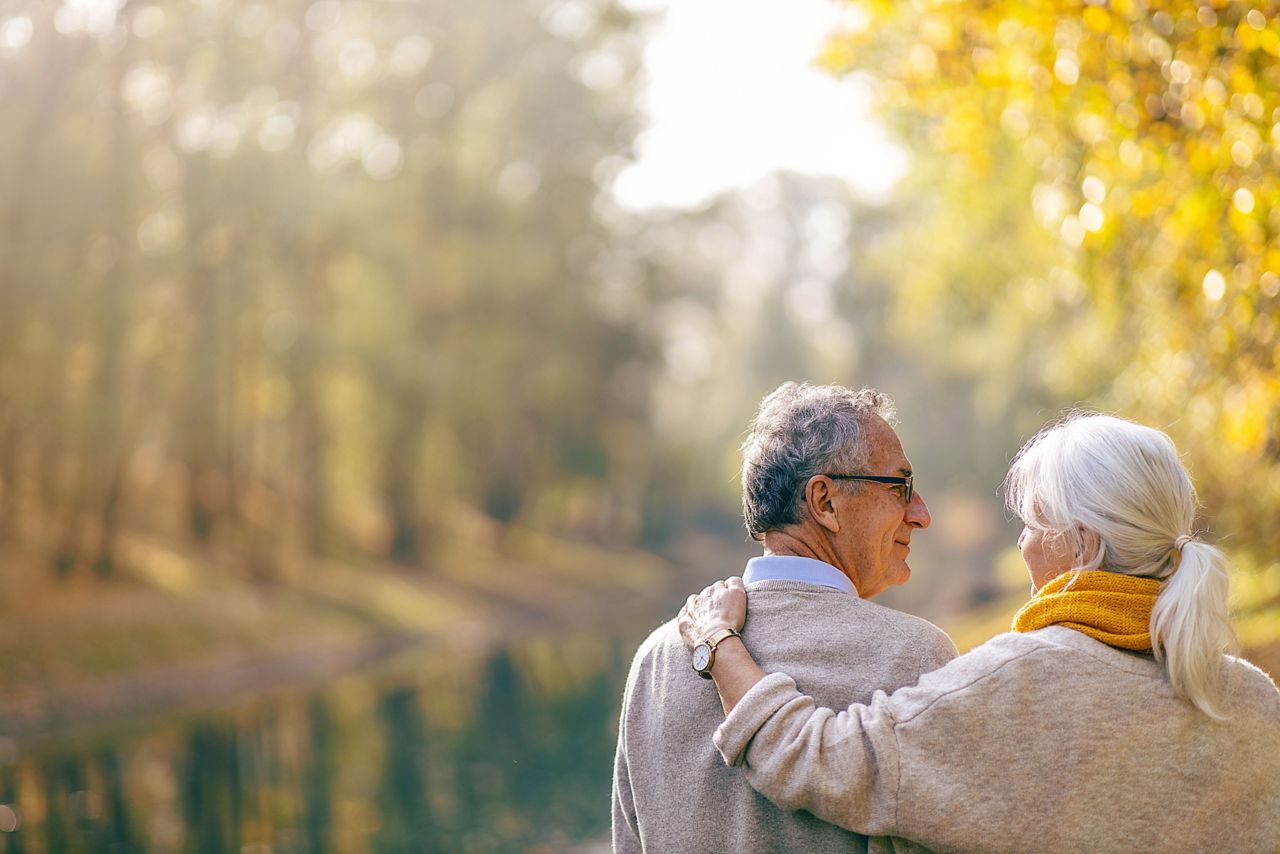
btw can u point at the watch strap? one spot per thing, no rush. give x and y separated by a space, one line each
714 639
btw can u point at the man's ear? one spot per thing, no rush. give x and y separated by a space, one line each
819 496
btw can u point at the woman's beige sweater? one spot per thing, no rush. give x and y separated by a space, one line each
1045 741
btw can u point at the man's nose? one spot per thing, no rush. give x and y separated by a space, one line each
918 512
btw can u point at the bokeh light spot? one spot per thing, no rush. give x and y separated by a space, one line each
1091 217
410 55
1072 231
1270 284
1067 68
383 159
1094 189
15 33
1215 285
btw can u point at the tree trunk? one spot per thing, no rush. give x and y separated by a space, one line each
199 421
402 453
58 67
114 304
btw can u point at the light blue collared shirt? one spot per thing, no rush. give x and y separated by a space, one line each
793 568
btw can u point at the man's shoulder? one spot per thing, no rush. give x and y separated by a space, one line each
826 603
853 618
661 643
661 638
906 624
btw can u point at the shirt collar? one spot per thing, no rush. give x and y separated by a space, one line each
793 568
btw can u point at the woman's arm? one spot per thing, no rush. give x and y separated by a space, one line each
722 605
841 767
735 672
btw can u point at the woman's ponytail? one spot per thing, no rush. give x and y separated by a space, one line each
1191 625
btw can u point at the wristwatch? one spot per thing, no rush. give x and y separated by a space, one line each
704 654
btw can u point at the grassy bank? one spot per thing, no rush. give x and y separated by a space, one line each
172 634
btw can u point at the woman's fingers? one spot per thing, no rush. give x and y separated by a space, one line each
686 623
721 603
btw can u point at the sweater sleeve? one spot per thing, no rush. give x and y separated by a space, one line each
842 767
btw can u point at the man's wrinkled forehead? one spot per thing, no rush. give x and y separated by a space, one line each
887 453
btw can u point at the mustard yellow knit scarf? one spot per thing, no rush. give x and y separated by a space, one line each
1106 606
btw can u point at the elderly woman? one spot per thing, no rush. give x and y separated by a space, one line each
1109 719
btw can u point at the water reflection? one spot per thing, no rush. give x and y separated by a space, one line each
508 753
403 795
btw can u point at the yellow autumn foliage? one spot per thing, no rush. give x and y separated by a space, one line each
1102 224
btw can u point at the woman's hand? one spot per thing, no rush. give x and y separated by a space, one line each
721 605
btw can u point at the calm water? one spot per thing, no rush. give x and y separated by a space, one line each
512 752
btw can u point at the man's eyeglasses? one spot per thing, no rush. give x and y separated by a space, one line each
908 481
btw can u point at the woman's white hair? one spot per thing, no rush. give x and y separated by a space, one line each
1120 499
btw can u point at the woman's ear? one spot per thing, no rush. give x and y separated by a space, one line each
1090 543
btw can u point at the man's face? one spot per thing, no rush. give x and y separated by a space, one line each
877 522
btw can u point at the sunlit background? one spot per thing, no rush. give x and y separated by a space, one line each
372 373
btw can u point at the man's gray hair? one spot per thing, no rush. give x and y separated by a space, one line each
802 430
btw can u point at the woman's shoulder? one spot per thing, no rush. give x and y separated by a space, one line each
1004 649
974 674
1248 678
1028 666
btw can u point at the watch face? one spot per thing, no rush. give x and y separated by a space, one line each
701 657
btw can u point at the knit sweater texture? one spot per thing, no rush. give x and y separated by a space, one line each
671 791
1044 741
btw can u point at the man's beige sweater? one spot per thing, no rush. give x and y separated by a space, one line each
1045 741
671 792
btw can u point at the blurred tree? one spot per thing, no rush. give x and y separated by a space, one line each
1100 219
788 279
342 256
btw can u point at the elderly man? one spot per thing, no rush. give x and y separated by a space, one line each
828 491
